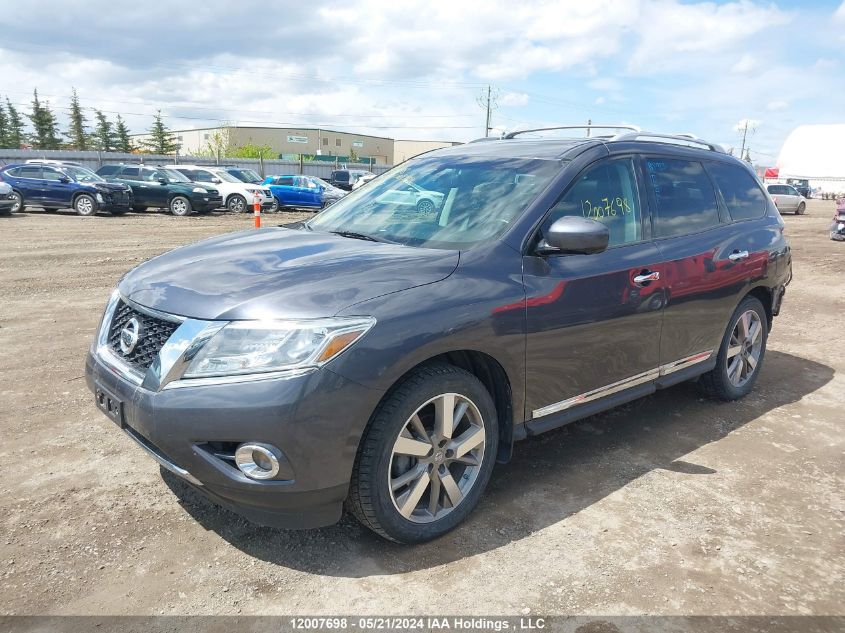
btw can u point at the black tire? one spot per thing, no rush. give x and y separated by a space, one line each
85 205
180 206
19 204
236 203
716 383
369 500
801 208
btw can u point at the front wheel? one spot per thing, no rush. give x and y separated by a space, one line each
741 353
180 206
85 205
800 209
236 203
18 204
425 206
426 455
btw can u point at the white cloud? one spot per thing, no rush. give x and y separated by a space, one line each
514 99
839 16
746 64
777 104
600 100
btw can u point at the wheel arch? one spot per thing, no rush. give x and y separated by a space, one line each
494 378
766 297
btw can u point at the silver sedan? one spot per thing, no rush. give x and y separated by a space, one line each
787 199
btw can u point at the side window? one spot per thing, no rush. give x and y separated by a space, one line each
740 191
606 192
30 171
14 171
48 173
152 175
792 191
132 173
201 175
285 181
684 196
108 170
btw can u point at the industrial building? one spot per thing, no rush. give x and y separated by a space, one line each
322 144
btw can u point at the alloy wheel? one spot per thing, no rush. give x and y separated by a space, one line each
744 348
436 458
425 206
18 205
179 206
84 205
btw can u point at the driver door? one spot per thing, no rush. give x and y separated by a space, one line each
594 321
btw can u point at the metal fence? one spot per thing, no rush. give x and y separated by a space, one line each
265 167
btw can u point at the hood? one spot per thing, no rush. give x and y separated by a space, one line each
109 186
280 273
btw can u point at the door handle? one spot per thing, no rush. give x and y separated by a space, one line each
646 276
737 256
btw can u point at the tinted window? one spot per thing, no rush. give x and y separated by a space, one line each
108 170
341 176
130 172
779 190
48 173
29 171
792 192
13 171
740 191
286 181
151 174
685 199
608 193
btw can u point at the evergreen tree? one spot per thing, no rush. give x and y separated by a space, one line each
4 127
161 140
16 126
76 132
44 122
103 136
121 135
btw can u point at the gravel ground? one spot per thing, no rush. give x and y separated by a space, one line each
670 505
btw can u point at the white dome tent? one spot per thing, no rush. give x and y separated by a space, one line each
817 153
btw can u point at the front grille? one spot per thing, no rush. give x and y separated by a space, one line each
154 333
213 192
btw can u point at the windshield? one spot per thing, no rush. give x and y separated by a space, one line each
322 183
440 202
173 175
245 175
80 174
226 177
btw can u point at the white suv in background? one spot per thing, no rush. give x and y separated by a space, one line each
238 196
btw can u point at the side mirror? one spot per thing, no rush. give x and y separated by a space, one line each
162 181
64 179
574 235
216 181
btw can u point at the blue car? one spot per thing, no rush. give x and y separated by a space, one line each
295 191
56 186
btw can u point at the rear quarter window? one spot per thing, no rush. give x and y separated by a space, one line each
108 170
685 201
740 191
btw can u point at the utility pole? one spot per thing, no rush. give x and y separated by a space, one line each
488 103
589 123
744 134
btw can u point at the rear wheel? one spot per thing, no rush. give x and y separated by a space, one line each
85 205
236 203
800 209
180 206
741 354
426 456
425 206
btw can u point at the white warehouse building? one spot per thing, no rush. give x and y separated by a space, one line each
817 153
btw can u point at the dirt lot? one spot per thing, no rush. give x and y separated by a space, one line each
670 505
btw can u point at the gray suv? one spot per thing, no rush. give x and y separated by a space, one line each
385 358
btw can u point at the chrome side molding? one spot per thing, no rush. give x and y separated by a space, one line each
625 383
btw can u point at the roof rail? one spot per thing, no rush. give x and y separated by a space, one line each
589 127
679 139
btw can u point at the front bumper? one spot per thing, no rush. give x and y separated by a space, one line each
315 419
7 203
202 202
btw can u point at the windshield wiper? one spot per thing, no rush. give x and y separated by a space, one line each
361 236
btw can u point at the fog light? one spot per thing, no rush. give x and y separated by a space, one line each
257 461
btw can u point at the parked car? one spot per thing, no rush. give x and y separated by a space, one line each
7 199
346 178
363 180
57 185
409 194
787 199
295 191
160 187
802 186
331 194
837 227
237 196
386 361
244 175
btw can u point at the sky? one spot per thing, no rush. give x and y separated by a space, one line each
418 69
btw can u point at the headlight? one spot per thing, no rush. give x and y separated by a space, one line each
199 190
252 190
99 197
250 347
